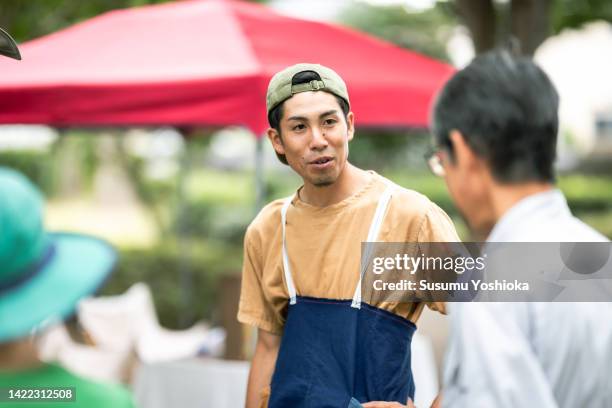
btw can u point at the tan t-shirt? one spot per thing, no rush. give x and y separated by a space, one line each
324 248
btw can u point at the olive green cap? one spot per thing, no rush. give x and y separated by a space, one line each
280 88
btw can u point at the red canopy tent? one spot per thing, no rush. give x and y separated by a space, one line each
204 63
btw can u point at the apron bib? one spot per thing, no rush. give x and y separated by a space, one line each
337 353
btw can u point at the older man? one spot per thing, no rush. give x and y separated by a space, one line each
495 129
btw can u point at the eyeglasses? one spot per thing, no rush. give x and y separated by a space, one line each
434 161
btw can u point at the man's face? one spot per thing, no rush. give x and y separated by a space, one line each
468 180
314 136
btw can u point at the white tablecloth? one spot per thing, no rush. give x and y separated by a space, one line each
210 383
201 383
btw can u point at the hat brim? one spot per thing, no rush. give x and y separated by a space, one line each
80 265
8 46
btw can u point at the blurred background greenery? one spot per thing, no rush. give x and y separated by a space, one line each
201 229
194 214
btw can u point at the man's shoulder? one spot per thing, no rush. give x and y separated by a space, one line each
579 231
570 229
410 202
419 217
414 200
563 229
268 217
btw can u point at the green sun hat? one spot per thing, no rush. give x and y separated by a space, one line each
280 87
8 46
43 275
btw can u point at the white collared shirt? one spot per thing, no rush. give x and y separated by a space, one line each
531 354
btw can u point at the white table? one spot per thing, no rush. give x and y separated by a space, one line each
190 383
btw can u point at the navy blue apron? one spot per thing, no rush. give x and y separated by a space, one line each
338 353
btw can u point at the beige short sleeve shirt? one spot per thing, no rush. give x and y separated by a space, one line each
324 248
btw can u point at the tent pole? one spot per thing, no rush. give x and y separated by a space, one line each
260 187
185 271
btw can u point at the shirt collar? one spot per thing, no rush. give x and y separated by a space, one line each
534 207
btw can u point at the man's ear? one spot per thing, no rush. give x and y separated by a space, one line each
464 156
350 125
276 140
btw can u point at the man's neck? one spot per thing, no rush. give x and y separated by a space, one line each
351 180
19 355
504 197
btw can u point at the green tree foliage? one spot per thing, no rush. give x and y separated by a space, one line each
161 268
426 32
36 165
30 19
491 22
574 13
494 22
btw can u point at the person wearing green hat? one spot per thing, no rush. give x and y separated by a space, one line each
318 343
42 277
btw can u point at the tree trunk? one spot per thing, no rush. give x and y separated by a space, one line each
531 23
479 16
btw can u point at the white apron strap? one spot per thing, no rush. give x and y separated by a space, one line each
286 267
379 216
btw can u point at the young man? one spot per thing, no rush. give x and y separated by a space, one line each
495 126
318 343
42 276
